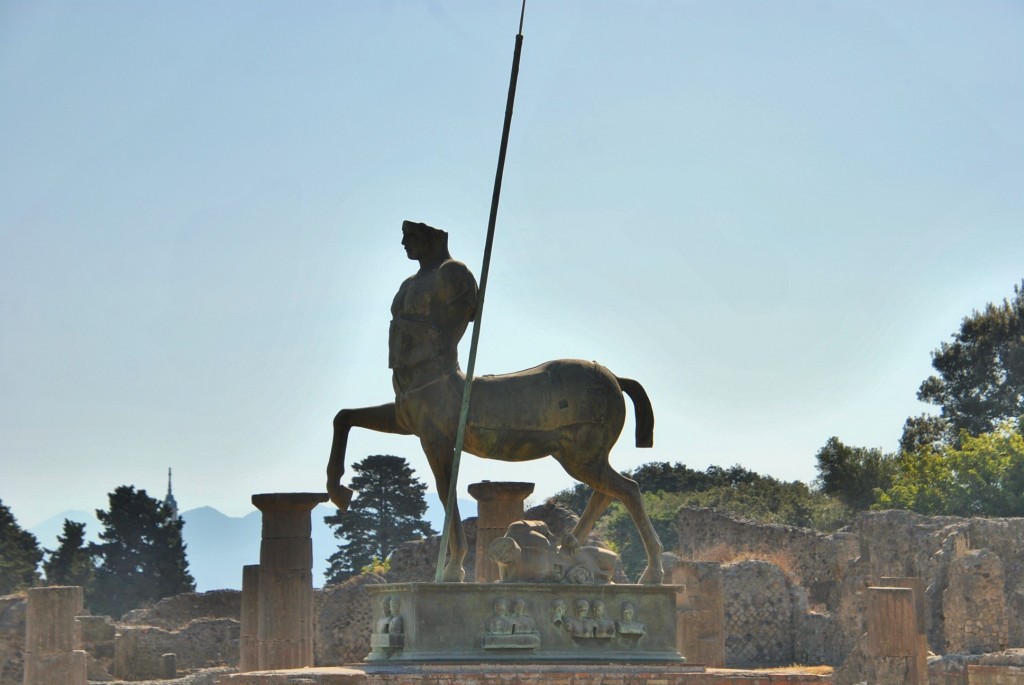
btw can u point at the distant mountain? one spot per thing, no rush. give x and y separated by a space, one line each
218 546
47 531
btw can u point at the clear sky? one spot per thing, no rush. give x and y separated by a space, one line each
767 213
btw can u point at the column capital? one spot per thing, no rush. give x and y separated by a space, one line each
288 501
489 491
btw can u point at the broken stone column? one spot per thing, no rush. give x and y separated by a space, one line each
285 634
893 637
51 640
169 666
498 505
249 635
700 611
920 618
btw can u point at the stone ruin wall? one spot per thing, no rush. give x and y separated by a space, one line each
790 595
973 571
202 629
13 612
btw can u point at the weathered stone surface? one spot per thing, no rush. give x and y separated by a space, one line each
416 560
526 622
201 644
343 621
13 612
50 627
700 611
892 622
759 606
835 570
814 559
285 588
526 674
249 638
499 504
974 604
56 668
206 676
52 637
177 611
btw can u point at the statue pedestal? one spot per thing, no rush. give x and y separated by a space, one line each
528 622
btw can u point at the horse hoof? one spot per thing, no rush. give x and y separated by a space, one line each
453 574
340 495
652 576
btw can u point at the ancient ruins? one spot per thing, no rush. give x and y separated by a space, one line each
896 598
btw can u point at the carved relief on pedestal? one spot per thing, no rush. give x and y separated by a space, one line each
515 630
605 626
629 628
389 631
588 625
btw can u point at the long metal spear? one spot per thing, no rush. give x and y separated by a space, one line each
460 434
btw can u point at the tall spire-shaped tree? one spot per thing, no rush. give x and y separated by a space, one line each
142 555
387 511
19 554
71 563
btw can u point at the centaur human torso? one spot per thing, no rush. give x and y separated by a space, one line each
569 409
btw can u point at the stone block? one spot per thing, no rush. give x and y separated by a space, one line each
50 624
286 604
65 668
462 622
892 622
286 554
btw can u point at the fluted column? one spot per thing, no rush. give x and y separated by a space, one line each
285 635
51 652
249 637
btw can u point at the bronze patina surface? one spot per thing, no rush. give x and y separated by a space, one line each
569 409
525 622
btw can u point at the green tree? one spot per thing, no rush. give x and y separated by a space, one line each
763 499
667 487
387 510
72 562
980 381
981 476
661 476
853 474
19 554
925 430
141 556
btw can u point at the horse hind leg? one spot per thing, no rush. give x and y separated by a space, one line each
596 505
599 474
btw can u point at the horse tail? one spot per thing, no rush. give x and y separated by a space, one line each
643 410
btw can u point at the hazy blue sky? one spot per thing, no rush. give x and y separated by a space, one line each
768 213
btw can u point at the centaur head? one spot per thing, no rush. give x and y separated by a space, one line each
424 243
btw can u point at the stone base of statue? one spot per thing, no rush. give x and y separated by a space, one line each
523 622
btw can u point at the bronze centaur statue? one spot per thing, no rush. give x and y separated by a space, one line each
569 409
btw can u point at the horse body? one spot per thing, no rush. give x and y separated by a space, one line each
569 409
518 416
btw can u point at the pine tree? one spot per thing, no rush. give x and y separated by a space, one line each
71 563
141 556
19 554
980 381
387 511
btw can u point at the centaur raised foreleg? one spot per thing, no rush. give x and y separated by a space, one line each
381 419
